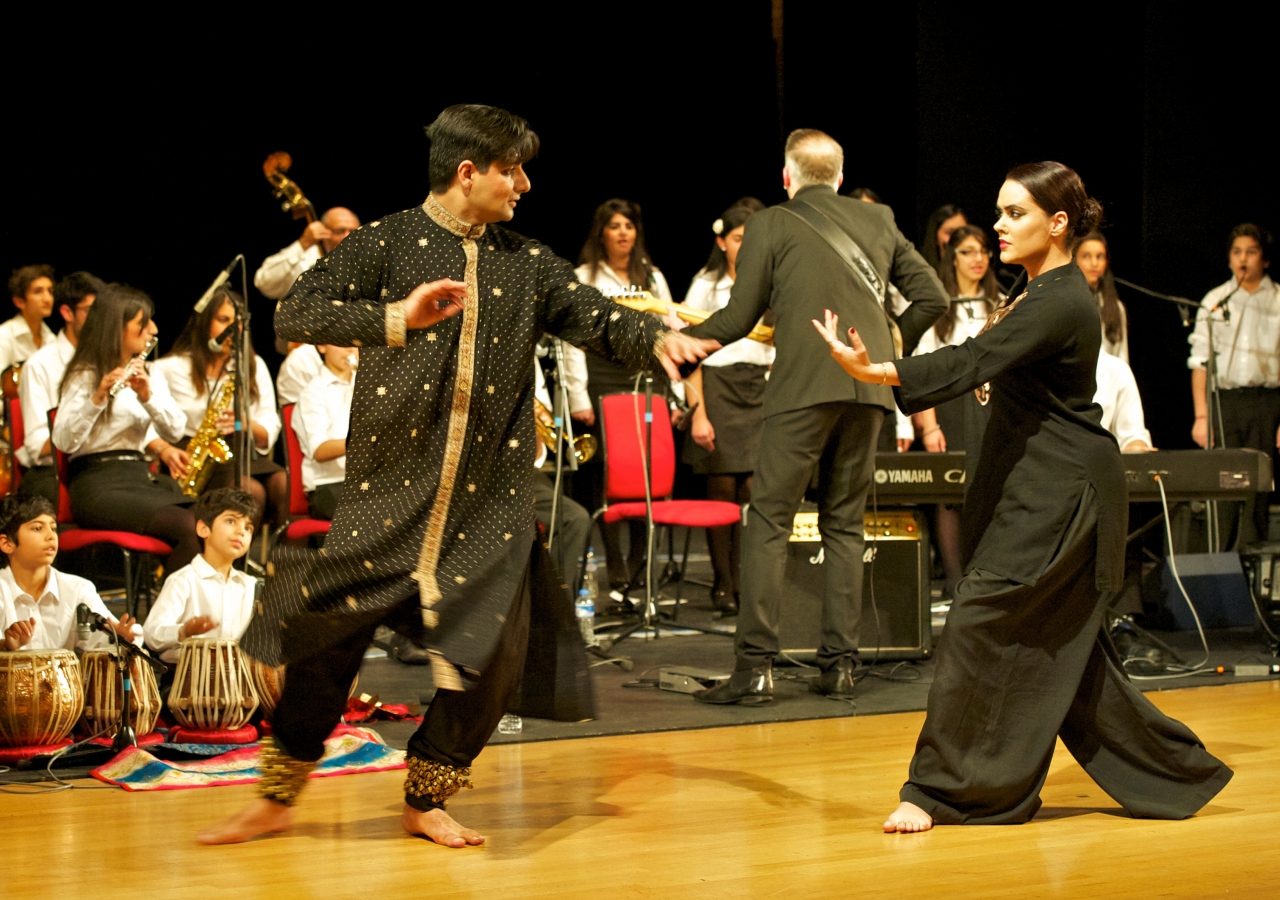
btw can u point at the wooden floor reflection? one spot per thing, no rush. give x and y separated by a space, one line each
776 810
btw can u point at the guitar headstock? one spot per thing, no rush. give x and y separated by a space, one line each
292 200
638 300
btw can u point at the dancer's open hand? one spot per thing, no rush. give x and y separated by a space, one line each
854 358
678 348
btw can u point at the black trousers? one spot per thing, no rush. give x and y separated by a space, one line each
1019 666
324 499
1250 417
572 531
456 725
840 439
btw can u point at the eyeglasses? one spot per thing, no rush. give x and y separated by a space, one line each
968 253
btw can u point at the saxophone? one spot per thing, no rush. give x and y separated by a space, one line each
206 447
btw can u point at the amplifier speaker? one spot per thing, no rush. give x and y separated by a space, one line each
1216 585
1261 564
896 565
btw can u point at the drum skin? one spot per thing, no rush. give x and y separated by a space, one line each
268 681
41 696
212 688
102 691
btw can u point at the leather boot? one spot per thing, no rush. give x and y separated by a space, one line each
836 680
724 603
750 687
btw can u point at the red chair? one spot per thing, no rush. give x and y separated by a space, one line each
17 436
623 432
137 579
300 525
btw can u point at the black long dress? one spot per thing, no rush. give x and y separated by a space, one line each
1024 657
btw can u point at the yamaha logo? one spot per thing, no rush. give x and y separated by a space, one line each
904 476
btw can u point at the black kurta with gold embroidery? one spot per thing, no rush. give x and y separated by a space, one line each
438 501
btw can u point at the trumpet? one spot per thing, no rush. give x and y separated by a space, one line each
132 367
584 445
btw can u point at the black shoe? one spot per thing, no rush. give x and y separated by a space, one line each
724 603
410 654
750 687
837 680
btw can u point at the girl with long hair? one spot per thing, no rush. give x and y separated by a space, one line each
614 259
1025 657
1093 257
112 487
728 404
937 231
195 374
958 424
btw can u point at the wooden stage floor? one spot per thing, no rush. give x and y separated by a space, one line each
773 810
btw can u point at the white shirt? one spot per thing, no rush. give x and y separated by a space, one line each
1121 406
971 315
177 374
709 295
278 272
299 367
198 589
1121 347
54 612
575 360
540 392
130 424
323 414
1247 340
38 390
16 343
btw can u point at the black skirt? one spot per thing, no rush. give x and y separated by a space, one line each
963 422
734 396
119 494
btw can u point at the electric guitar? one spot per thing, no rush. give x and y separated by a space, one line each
644 301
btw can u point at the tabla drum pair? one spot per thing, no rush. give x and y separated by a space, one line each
103 692
41 697
212 686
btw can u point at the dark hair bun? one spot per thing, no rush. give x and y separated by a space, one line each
1089 219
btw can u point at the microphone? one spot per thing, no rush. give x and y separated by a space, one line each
215 344
1221 305
217 283
82 623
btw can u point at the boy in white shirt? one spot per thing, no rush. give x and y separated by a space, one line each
320 421
208 598
37 602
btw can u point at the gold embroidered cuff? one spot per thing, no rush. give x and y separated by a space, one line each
659 345
283 777
435 781
397 330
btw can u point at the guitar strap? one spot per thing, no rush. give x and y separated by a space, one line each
849 251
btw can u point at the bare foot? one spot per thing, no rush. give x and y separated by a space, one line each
437 825
908 818
258 818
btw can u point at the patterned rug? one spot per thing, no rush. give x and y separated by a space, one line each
347 751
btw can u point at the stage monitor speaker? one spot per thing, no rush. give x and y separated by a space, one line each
1261 564
896 565
1216 585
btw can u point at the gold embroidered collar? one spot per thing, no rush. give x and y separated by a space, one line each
448 221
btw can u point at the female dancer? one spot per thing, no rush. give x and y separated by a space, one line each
1024 657
195 374
1094 261
959 423
111 482
729 387
614 259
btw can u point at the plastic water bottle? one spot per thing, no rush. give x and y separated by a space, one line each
592 586
510 724
585 607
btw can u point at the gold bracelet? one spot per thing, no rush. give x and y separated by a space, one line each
884 374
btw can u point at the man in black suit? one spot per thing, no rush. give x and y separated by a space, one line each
792 262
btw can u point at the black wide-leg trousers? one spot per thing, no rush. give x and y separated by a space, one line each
457 724
840 439
1020 665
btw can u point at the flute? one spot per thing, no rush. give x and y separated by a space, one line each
131 366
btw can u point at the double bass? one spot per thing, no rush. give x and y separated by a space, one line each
292 200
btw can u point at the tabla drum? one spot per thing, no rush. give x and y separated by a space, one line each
103 691
268 681
41 696
212 688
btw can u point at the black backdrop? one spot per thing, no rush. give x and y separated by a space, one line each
137 155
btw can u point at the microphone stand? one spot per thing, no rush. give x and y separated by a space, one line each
563 423
1212 396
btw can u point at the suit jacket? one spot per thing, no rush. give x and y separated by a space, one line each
784 265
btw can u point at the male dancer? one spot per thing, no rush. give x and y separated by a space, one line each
434 535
